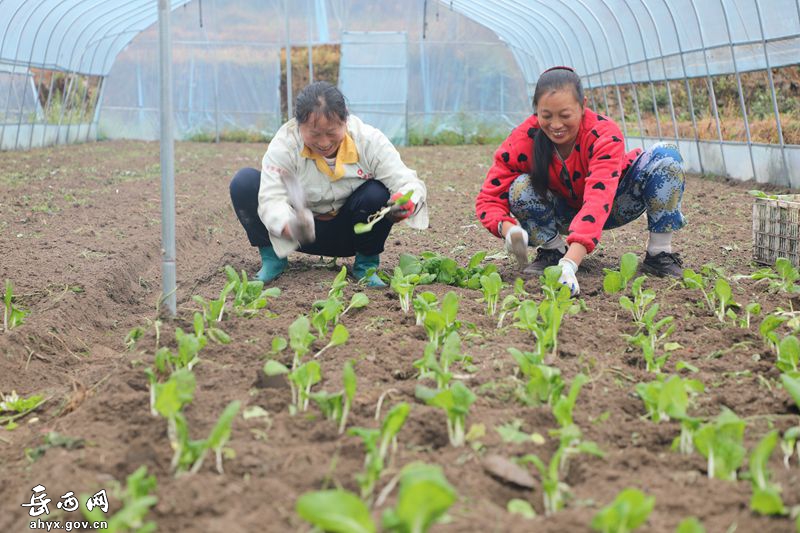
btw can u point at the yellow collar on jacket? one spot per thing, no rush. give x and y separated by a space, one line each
347 155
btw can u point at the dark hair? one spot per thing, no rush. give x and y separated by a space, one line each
552 79
320 97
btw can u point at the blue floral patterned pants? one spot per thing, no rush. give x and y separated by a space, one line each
653 184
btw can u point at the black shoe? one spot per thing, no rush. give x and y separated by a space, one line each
544 258
663 264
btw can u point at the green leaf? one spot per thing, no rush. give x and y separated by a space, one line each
176 392
349 380
690 525
760 457
612 283
792 386
394 420
336 511
629 510
767 501
339 335
222 429
359 300
279 344
275 368
520 507
628 264
424 496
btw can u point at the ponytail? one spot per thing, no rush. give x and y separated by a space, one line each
542 154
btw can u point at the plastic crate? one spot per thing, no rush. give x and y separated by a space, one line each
776 229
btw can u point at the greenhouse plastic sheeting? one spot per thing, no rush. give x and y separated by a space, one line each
373 73
82 36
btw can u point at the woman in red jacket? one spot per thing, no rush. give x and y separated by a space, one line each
564 171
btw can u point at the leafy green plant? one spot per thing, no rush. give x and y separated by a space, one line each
336 511
424 302
13 316
668 399
651 334
440 322
491 285
790 444
544 383
362 227
782 278
336 406
439 369
512 301
724 299
249 296
565 405
617 280
751 310
455 401
789 355
642 299
338 337
304 377
432 267
214 310
424 496
137 499
403 285
720 442
768 330
377 442
554 490
690 525
629 510
17 407
766 497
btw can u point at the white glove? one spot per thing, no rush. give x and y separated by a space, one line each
568 270
517 244
302 226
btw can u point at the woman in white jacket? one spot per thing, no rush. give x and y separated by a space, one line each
324 171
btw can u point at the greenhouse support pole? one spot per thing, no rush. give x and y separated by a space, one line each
772 92
289 111
167 160
741 90
310 37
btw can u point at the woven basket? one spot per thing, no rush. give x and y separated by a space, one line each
776 229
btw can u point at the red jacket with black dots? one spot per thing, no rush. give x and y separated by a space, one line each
594 167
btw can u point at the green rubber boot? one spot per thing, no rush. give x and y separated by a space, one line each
271 265
364 263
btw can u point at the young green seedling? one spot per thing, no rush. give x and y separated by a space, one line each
18 407
720 442
512 302
790 444
751 310
666 400
12 315
338 337
377 444
642 299
424 302
357 301
617 280
455 401
137 499
768 330
439 323
170 398
376 217
336 406
782 278
248 296
629 510
544 383
403 285
725 302
766 497
563 407
789 356
491 285
336 511
214 310
424 496
300 339
202 329
219 437
304 377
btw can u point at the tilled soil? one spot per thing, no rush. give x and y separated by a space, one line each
80 239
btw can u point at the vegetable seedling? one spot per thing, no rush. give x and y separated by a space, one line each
377 444
403 285
13 316
362 227
304 377
720 442
336 406
789 356
666 400
766 497
338 337
617 280
455 401
424 302
137 499
18 406
491 285
336 511
424 496
629 510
